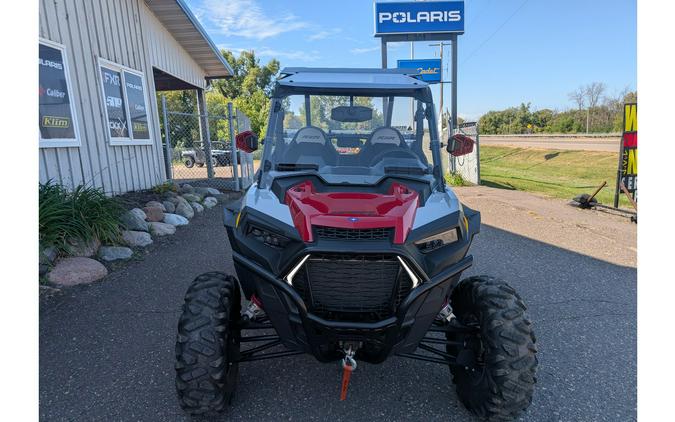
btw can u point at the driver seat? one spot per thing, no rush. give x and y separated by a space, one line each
381 140
310 143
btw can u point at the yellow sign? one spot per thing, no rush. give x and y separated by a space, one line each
53 121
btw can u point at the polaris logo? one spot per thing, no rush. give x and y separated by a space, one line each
422 16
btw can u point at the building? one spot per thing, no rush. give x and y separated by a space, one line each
101 64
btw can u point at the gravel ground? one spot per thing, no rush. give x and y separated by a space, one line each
106 350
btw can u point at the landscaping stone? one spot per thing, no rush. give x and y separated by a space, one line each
197 207
210 202
162 229
153 214
223 197
48 255
132 221
186 188
185 209
139 212
192 197
44 268
81 248
156 204
207 191
174 200
137 239
77 270
113 253
169 206
175 219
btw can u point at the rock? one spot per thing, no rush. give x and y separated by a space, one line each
207 191
139 212
162 229
155 204
171 194
153 213
187 188
185 209
48 255
197 207
44 268
169 206
137 239
80 248
222 197
192 197
113 253
210 202
132 221
175 219
174 200
77 270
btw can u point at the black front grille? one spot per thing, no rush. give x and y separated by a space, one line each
337 233
351 287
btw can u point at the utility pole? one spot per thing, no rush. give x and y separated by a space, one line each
440 115
412 100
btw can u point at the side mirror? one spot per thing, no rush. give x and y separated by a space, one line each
247 141
459 144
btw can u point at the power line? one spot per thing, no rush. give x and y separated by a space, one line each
495 31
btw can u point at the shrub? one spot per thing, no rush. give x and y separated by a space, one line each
83 215
167 186
455 179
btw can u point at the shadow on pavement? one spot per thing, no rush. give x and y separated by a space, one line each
106 350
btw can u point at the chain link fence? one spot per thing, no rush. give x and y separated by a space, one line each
200 149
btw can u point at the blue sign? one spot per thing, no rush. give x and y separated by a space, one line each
429 69
415 17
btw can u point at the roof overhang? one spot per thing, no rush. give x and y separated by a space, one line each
177 18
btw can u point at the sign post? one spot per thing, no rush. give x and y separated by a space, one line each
627 172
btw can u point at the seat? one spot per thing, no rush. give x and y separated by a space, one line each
308 144
381 140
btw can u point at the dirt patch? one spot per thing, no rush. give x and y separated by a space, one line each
603 235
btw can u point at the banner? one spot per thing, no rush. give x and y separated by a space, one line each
628 169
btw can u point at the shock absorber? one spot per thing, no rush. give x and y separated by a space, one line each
254 310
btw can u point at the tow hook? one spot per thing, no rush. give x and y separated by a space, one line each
445 313
254 310
348 366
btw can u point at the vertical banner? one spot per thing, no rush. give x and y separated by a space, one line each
628 170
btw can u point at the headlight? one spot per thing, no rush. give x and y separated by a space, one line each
267 237
434 242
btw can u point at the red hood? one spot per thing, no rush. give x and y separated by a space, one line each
352 210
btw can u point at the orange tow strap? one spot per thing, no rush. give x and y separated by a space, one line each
346 374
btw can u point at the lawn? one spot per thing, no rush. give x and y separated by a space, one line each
557 173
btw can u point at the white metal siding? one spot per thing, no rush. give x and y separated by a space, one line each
125 32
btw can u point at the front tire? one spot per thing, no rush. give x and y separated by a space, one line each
497 376
189 162
207 345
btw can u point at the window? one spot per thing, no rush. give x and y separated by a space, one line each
125 104
58 122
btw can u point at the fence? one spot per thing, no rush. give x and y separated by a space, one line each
468 166
200 149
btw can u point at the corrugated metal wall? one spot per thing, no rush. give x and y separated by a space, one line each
125 32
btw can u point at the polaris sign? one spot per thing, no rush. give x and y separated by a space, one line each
419 17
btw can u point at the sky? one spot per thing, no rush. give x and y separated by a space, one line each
512 51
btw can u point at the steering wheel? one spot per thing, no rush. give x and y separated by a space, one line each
400 152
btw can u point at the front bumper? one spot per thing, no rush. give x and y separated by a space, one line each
301 330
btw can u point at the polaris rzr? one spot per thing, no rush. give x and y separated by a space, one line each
349 246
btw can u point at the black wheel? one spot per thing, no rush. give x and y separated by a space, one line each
200 164
189 162
207 345
497 362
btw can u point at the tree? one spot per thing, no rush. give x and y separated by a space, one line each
594 92
579 97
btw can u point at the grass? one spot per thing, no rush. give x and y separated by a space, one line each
83 214
561 174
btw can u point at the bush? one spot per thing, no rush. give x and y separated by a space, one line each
455 179
82 215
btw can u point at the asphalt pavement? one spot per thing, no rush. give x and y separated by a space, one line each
107 349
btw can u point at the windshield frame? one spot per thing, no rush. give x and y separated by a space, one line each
276 117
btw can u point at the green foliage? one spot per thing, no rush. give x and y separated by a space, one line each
320 113
83 214
167 186
455 179
603 118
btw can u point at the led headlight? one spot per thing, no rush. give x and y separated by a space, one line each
434 242
267 237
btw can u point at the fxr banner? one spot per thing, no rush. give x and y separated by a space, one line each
628 169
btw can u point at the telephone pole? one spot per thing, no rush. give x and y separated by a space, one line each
440 114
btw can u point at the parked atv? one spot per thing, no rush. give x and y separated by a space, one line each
350 247
220 156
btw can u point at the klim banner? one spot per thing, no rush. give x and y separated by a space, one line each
429 69
415 17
